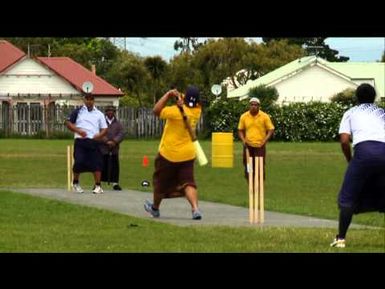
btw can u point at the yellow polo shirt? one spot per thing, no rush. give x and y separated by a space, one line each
255 127
176 144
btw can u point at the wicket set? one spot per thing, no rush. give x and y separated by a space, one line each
70 163
256 189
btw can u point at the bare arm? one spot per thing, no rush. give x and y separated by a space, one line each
71 126
163 101
345 146
242 137
268 136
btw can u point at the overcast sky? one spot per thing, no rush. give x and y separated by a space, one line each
357 48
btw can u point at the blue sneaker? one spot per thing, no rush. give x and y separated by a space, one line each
196 215
149 209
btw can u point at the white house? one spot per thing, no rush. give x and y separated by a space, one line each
314 79
48 79
32 89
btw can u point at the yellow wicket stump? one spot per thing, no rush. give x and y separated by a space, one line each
70 163
256 189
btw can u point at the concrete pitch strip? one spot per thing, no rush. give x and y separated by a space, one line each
177 211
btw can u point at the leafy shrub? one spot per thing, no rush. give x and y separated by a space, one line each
267 96
313 121
345 97
223 114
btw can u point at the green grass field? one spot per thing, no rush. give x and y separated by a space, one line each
302 178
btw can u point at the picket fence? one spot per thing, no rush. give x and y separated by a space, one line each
36 119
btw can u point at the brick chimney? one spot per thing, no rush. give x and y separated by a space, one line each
93 69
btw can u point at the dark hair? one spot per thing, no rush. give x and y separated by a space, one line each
192 96
89 95
365 93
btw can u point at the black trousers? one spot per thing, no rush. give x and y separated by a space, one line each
110 172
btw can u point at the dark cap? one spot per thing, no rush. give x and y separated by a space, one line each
110 108
192 96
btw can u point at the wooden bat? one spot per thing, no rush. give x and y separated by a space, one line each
202 160
200 154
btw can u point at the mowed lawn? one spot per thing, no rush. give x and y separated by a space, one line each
301 178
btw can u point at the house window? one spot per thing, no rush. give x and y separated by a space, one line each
36 114
29 117
22 117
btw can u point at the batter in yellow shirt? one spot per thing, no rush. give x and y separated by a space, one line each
176 144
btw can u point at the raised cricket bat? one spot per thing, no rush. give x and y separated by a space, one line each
202 160
200 154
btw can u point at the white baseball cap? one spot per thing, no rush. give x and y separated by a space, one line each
254 99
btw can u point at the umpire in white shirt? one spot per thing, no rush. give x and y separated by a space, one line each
89 125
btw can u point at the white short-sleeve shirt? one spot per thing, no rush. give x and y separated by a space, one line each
90 121
364 122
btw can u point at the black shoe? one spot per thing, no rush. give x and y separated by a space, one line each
117 187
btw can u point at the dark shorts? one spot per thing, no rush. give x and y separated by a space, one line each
87 155
363 188
170 179
254 152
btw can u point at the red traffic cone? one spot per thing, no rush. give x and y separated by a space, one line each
145 161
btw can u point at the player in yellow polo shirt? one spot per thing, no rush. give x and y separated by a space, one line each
174 163
255 128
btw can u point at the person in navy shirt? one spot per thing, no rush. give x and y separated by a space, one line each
363 188
89 125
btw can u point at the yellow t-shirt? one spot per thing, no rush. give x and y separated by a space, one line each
176 144
255 127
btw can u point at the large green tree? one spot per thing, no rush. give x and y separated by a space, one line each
129 73
157 68
182 73
314 46
103 54
237 60
222 58
272 55
86 51
45 46
187 44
